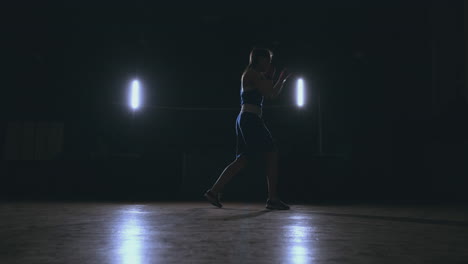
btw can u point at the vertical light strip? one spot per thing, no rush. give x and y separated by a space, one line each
300 93
135 95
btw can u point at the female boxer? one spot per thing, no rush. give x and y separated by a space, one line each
253 137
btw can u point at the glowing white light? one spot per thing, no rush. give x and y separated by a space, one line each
299 234
135 95
300 93
131 241
129 235
299 254
300 243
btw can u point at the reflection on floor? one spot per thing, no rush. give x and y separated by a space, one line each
196 232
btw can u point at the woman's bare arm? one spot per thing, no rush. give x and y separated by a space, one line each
277 88
267 88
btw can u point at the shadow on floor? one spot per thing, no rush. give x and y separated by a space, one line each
243 216
400 219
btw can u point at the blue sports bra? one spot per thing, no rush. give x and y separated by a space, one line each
251 97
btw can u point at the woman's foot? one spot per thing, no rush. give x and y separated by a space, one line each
276 204
213 198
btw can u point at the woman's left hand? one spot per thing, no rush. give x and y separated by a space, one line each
284 75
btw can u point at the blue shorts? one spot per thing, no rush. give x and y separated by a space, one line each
253 136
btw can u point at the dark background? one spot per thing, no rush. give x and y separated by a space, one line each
391 79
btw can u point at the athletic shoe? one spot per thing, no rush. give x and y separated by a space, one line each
276 205
213 198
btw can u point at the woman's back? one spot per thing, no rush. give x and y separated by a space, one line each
250 94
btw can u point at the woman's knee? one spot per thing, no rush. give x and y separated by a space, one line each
272 155
242 161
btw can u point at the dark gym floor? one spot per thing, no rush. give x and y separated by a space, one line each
196 232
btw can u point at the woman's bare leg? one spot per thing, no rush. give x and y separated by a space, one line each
272 174
229 172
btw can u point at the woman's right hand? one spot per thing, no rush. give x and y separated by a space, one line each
270 73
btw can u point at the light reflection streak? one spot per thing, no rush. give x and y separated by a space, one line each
299 240
130 237
299 254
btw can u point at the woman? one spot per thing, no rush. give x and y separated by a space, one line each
253 137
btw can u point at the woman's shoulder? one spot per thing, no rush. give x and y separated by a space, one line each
248 80
249 74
